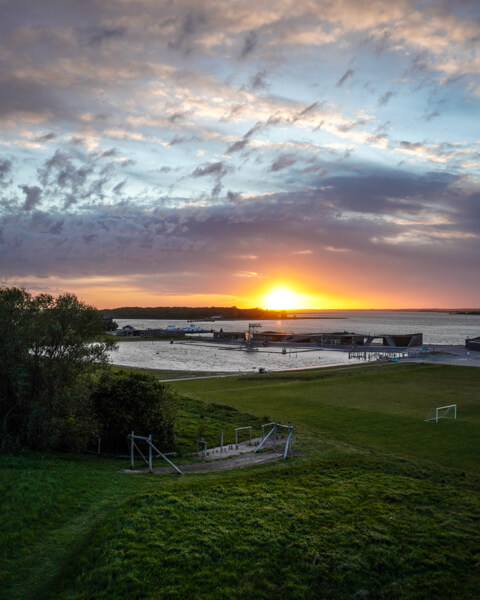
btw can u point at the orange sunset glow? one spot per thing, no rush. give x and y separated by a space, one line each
229 175
280 294
283 298
292 297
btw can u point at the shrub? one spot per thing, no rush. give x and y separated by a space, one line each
126 401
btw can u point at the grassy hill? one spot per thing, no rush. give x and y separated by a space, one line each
381 504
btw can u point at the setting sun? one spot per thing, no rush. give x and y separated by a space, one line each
281 298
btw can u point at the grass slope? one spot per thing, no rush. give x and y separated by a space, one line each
363 514
198 420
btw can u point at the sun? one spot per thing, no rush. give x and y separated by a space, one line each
281 298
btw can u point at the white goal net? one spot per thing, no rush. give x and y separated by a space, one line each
442 412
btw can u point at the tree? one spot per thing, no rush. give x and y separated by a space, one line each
48 348
109 324
125 400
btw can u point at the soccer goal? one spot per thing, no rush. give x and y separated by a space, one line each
442 412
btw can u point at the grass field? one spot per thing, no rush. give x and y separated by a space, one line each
377 407
381 504
166 374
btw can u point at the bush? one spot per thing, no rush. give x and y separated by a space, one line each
125 401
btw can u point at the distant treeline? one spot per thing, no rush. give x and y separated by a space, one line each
186 312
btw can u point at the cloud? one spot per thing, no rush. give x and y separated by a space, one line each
388 192
282 162
129 162
70 177
432 115
258 81
218 169
56 228
351 125
61 171
178 139
5 171
249 44
179 85
349 73
335 249
89 238
48 137
27 98
240 144
32 196
385 98
110 153
177 116
186 31
369 218
309 109
103 35
237 146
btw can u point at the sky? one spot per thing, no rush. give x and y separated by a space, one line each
199 153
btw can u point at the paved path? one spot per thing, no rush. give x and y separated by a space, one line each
208 466
230 456
244 447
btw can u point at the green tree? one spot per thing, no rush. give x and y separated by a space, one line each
48 348
109 324
124 401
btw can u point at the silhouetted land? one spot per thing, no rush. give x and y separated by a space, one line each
195 313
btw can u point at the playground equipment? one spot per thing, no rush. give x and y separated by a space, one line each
151 446
273 431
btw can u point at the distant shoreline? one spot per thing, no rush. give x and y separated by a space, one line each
243 314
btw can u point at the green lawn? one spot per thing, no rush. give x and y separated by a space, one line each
381 504
379 407
165 374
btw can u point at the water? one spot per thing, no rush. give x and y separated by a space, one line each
192 356
437 328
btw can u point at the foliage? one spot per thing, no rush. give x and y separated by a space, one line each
46 349
109 324
125 401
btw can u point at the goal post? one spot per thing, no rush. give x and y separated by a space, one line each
442 412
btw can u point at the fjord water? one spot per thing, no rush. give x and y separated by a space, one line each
437 328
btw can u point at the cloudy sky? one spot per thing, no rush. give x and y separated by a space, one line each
205 152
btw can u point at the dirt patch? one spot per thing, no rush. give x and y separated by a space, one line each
236 462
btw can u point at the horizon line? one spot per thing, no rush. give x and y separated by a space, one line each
292 310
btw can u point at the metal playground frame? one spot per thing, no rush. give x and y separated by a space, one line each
274 430
151 446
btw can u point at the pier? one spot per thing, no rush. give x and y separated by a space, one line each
341 340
